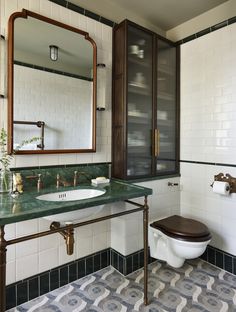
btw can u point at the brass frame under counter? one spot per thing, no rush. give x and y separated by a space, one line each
139 207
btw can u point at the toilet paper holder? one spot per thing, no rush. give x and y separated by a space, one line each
226 178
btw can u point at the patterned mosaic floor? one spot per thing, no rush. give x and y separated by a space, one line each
196 287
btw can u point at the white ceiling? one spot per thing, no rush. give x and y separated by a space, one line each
164 14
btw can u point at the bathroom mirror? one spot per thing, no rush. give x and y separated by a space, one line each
51 86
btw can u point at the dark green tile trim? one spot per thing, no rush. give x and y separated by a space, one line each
189 38
220 258
53 71
219 25
22 293
75 8
207 30
92 15
167 176
60 2
80 10
207 163
203 32
11 296
232 20
34 286
128 264
59 166
107 22
42 283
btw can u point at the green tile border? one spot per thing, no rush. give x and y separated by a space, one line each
220 258
206 31
207 163
80 10
53 71
34 286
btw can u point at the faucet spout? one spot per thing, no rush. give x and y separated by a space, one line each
61 182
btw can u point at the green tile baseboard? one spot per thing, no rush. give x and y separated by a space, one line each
37 285
42 283
220 258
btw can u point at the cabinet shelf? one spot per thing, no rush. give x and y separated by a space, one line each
138 149
165 96
142 62
139 90
139 120
165 123
167 70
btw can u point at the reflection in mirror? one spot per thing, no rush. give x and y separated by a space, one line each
54 98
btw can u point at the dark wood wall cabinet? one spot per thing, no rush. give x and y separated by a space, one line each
145 110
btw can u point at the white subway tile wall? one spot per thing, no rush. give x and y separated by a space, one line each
208 131
75 119
127 231
32 257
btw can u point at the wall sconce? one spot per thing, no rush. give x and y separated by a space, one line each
101 87
53 52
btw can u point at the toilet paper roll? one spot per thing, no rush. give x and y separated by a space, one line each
221 187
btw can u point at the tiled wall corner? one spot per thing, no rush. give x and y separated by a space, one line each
164 201
102 34
208 127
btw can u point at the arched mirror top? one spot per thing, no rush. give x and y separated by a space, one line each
51 86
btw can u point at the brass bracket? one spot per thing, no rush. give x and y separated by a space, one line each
226 178
68 235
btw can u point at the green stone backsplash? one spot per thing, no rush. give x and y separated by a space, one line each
86 172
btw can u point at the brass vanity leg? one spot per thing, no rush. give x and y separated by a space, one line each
145 243
3 253
70 241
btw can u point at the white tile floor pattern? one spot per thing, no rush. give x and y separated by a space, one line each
196 287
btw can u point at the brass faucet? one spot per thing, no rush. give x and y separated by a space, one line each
78 173
75 178
61 182
39 181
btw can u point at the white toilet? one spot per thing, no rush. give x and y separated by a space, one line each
176 238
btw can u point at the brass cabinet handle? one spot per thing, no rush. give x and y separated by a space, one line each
157 142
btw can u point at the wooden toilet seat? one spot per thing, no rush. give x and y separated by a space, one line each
183 229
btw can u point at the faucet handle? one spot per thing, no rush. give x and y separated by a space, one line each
75 177
58 180
39 182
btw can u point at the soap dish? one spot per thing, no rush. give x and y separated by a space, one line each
100 181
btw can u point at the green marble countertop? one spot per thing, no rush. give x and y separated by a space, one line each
26 206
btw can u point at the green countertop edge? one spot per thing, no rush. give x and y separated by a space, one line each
30 208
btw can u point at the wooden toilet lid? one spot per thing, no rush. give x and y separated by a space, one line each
183 228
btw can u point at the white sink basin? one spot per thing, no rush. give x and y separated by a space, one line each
71 195
76 215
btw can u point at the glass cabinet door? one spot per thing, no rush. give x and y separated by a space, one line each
165 132
139 102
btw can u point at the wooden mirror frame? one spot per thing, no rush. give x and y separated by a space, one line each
25 14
